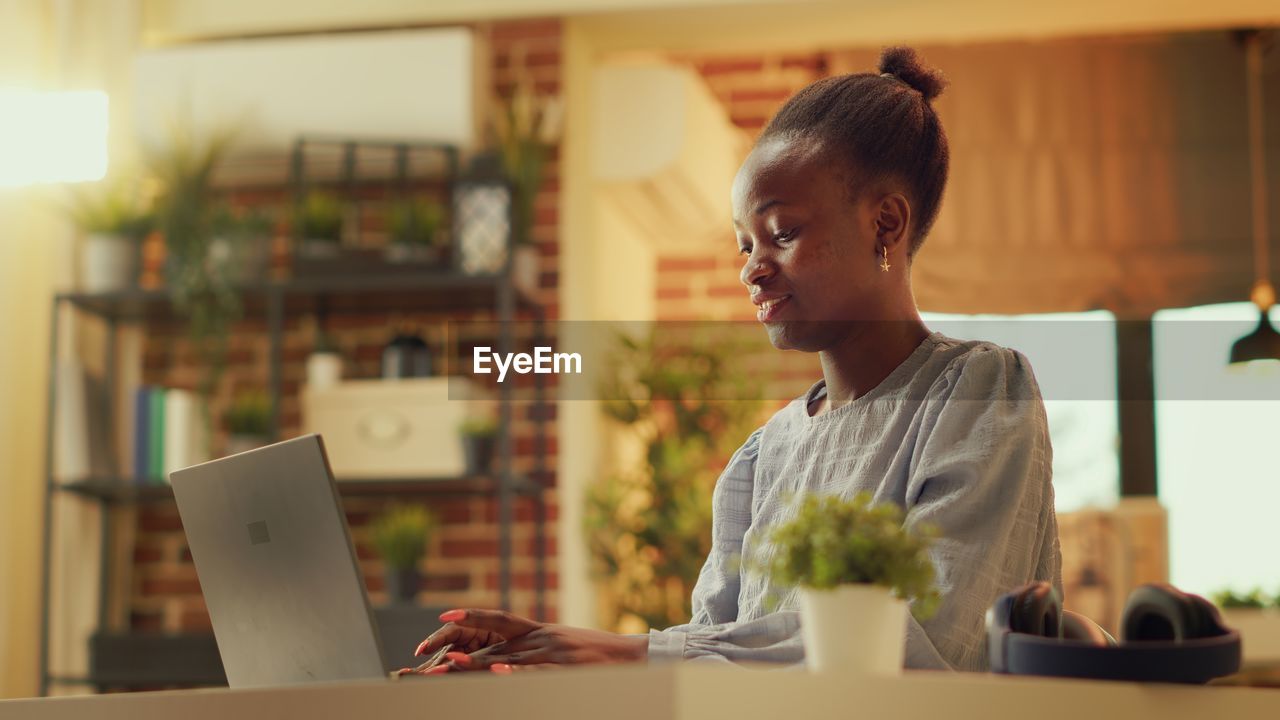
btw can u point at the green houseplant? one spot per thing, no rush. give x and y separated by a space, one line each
317 225
248 421
479 440
400 536
686 400
415 231
187 212
114 219
856 566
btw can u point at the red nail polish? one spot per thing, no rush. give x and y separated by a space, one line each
421 645
500 668
462 659
437 670
453 615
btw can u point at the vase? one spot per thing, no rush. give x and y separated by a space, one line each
524 270
324 370
402 584
108 263
859 629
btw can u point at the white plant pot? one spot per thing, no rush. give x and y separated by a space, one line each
324 370
524 270
859 629
107 263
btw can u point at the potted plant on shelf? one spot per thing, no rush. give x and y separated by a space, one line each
526 129
400 536
187 209
415 232
114 220
317 225
248 422
856 567
1256 616
241 246
479 440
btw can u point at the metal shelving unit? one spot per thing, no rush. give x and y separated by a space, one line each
442 290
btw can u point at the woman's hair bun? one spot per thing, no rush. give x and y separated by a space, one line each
904 64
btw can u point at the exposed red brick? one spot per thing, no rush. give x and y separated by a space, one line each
147 554
738 291
446 583
679 264
674 293
159 518
170 586
469 548
777 95
814 63
146 621
196 621
522 581
508 31
722 67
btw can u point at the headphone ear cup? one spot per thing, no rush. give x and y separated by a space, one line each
1037 610
1162 613
1078 627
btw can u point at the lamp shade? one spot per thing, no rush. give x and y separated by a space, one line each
1261 344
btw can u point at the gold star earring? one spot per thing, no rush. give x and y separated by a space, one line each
885 265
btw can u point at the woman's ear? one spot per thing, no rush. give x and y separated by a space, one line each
892 218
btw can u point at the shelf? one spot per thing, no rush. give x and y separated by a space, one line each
124 491
438 290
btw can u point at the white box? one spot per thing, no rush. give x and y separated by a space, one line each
394 429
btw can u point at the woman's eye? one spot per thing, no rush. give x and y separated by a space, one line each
784 236
744 250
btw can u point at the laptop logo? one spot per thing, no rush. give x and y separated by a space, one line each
258 533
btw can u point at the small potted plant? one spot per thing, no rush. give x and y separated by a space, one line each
1256 616
479 439
241 245
400 536
114 221
317 224
415 232
248 422
856 567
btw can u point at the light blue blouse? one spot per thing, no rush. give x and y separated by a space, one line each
956 435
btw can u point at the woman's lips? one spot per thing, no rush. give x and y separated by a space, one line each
769 309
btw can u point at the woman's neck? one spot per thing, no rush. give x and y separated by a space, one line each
864 358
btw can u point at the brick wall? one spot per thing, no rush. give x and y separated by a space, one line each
705 286
462 562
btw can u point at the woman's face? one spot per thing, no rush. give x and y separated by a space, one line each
811 251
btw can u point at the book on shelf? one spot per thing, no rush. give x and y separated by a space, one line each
170 432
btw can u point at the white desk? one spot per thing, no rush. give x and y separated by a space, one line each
674 692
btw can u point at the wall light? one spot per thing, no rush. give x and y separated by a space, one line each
48 137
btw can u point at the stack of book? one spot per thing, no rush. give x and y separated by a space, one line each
171 431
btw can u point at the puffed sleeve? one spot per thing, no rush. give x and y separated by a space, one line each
982 474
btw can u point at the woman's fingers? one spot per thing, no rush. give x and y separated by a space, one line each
498 621
465 639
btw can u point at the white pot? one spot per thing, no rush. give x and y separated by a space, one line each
524 270
853 629
324 370
108 262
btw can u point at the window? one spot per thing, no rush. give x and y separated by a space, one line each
50 137
1217 430
1073 356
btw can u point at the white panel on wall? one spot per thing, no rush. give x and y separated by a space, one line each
416 84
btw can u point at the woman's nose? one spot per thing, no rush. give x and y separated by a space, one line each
757 268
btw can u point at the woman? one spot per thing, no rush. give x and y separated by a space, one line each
830 209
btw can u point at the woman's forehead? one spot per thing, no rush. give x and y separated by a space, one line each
786 170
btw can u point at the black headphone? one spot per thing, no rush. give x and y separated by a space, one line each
1168 636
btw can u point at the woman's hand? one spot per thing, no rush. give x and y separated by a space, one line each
525 643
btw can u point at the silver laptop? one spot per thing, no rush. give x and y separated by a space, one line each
277 568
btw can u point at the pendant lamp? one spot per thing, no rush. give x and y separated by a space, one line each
1264 342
